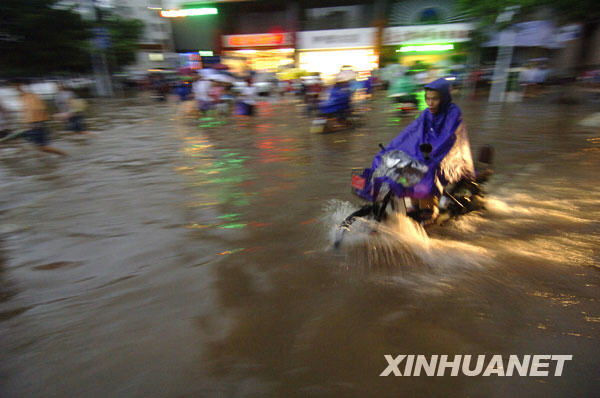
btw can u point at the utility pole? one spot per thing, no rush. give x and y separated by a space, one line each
101 42
379 22
505 52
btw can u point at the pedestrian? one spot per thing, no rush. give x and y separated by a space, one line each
313 91
71 109
35 118
183 90
526 79
248 98
201 89
227 99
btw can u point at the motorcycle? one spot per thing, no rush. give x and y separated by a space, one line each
389 187
335 122
336 113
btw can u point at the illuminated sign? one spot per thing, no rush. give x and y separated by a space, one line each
427 34
205 53
156 57
426 48
190 12
258 40
336 38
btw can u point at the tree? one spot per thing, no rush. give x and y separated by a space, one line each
37 39
124 37
586 12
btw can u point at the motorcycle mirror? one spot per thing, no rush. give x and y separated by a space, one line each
426 149
381 146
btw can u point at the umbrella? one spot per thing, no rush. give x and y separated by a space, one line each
345 76
206 73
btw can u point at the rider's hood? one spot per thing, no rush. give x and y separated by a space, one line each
442 86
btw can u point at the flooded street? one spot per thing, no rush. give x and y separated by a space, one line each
169 257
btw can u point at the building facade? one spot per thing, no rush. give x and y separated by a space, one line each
322 36
156 41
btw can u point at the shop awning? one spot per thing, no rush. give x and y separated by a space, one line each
535 34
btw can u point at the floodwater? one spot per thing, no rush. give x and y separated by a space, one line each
168 257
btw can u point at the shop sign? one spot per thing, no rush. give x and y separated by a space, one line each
257 40
210 60
336 38
427 34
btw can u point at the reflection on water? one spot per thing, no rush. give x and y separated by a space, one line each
192 258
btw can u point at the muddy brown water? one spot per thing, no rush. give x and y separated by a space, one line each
169 257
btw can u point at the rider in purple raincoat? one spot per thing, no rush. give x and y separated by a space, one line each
449 160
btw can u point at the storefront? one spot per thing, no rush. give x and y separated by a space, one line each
327 51
265 52
197 60
429 45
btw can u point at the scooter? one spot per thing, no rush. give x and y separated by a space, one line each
465 196
329 123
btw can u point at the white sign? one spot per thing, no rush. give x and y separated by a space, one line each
426 34
336 38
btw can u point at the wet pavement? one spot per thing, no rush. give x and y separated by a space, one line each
173 257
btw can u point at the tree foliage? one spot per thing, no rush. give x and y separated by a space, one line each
586 12
37 39
564 10
124 37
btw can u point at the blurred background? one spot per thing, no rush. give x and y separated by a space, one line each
108 48
171 173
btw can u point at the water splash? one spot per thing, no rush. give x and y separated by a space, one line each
399 244
559 231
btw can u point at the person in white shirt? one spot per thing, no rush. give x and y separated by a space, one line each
248 97
201 89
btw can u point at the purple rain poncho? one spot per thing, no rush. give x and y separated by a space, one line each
450 158
338 100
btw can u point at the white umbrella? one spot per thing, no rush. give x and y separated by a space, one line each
345 76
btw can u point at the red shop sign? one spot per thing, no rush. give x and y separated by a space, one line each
266 39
